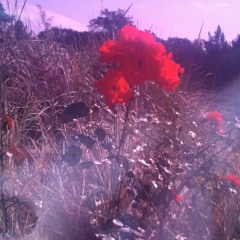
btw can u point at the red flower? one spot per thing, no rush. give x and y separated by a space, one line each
235 180
106 52
168 73
176 196
135 58
114 88
216 119
137 65
131 33
141 58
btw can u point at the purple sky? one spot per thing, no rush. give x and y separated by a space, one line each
175 18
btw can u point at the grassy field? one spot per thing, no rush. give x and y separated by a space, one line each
72 168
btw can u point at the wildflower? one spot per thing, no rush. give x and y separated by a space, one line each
139 58
135 59
168 73
216 119
138 62
130 33
177 197
235 180
114 88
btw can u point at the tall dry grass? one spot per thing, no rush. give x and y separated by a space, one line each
158 147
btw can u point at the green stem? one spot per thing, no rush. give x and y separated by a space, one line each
121 145
121 142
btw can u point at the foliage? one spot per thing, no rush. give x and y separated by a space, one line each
216 42
68 38
213 63
110 22
210 64
4 17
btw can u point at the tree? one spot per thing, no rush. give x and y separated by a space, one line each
184 51
220 60
236 42
110 21
190 56
217 41
4 17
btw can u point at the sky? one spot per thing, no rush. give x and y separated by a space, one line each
166 18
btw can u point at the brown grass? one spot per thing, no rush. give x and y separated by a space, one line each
158 144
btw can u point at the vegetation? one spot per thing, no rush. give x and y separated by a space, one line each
110 22
162 166
211 63
4 17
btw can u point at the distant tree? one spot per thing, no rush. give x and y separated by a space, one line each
185 52
235 63
217 41
190 55
220 60
71 38
210 64
4 17
236 42
17 26
110 21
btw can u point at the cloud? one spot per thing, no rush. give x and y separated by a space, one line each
31 16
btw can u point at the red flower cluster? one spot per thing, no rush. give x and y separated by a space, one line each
177 197
139 58
235 180
114 87
216 120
